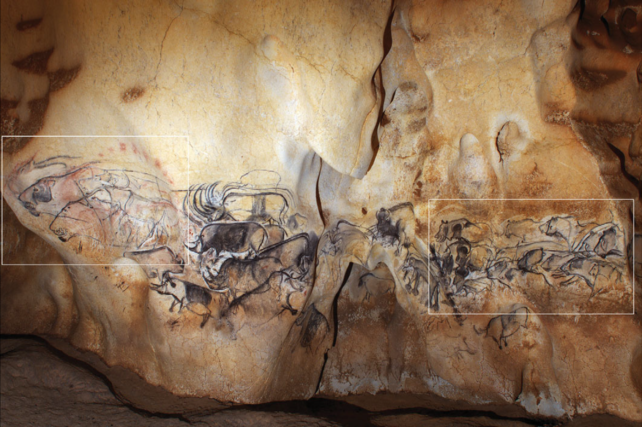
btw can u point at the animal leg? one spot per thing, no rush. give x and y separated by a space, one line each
418 282
181 306
206 317
503 338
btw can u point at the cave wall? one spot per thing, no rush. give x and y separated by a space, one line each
417 203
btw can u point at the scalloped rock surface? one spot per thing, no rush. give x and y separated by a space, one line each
398 205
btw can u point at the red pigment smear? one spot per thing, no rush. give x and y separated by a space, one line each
24 167
133 94
101 155
36 63
111 150
123 147
170 180
26 25
157 163
60 78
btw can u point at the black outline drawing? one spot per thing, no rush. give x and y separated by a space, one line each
108 206
251 242
501 327
250 239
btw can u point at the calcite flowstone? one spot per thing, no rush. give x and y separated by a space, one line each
406 204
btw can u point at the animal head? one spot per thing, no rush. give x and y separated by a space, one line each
556 226
30 171
42 186
442 234
550 226
607 244
497 268
167 286
383 215
408 265
36 194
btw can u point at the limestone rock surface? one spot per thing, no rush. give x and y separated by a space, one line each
397 204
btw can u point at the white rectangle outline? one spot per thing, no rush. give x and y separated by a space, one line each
541 314
82 136
429 223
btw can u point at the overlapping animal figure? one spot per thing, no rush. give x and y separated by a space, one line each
101 207
248 242
467 260
243 246
249 249
559 249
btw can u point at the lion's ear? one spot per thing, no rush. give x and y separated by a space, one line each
48 182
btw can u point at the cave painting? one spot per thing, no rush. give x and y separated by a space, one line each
214 248
386 203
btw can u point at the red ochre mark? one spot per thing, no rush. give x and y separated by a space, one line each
10 123
60 78
123 147
23 167
170 180
36 63
417 191
8 116
111 150
133 94
101 155
157 163
28 24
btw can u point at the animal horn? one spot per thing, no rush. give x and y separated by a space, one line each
196 246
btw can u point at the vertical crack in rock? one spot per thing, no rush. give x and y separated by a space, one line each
318 196
231 287
377 83
160 55
335 304
335 323
620 155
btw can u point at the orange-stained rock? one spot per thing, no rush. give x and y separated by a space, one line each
396 204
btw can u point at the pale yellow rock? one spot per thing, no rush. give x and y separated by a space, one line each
398 205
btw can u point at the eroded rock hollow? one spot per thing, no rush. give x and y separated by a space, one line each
395 204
